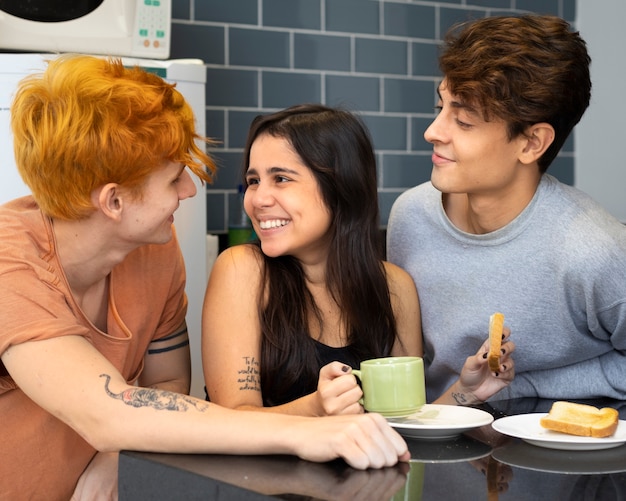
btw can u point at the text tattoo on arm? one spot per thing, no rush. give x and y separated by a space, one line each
157 399
249 377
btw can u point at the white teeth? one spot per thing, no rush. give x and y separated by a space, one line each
273 223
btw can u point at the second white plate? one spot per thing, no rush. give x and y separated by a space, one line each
437 422
528 428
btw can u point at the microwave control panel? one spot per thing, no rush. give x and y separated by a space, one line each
152 29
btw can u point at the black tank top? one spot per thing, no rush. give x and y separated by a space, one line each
325 355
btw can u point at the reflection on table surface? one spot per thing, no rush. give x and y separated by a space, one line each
481 464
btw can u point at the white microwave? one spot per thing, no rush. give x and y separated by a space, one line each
135 28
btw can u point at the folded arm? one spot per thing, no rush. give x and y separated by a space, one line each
70 379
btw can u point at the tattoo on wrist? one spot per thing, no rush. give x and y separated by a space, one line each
157 399
459 398
249 378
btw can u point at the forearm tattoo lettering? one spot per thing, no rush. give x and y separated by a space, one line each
157 399
249 378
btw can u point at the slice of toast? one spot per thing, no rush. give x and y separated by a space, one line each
496 324
581 419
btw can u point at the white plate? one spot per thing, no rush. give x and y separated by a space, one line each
528 428
438 422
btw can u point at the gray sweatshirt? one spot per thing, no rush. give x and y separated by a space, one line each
557 273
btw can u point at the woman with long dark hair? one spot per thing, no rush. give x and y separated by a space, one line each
285 319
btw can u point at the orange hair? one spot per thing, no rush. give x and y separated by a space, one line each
87 121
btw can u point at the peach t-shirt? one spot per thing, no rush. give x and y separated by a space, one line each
41 457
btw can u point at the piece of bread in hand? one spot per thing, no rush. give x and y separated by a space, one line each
581 419
496 324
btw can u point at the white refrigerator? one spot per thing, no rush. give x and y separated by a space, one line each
190 79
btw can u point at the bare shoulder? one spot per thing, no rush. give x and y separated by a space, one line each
239 259
241 264
398 279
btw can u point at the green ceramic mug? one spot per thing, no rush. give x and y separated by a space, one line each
392 386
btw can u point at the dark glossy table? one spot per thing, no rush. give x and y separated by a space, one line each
481 464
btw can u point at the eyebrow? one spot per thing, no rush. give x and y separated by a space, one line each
459 104
180 171
274 170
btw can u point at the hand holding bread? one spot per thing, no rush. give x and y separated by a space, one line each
478 381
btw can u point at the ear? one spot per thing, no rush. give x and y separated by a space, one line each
108 199
538 138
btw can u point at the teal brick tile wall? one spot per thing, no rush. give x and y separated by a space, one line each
355 92
375 57
322 52
257 47
353 16
300 14
226 11
380 56
282 89
409 20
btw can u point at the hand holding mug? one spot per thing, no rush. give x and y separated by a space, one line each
337 391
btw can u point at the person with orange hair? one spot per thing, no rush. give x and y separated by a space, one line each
94 348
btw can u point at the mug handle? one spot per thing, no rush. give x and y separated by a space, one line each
357 373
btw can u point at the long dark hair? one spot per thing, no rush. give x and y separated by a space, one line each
336 146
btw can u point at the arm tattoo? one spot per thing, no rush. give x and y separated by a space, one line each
249 378
152 351
459 398
158 399
168 348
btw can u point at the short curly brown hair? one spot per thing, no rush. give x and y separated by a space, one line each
523 70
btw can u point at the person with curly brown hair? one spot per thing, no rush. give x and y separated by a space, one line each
493 231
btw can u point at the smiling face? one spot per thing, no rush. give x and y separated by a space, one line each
471 155
284 202
148 217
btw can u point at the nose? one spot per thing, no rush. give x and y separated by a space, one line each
258 196
435 132
186 186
